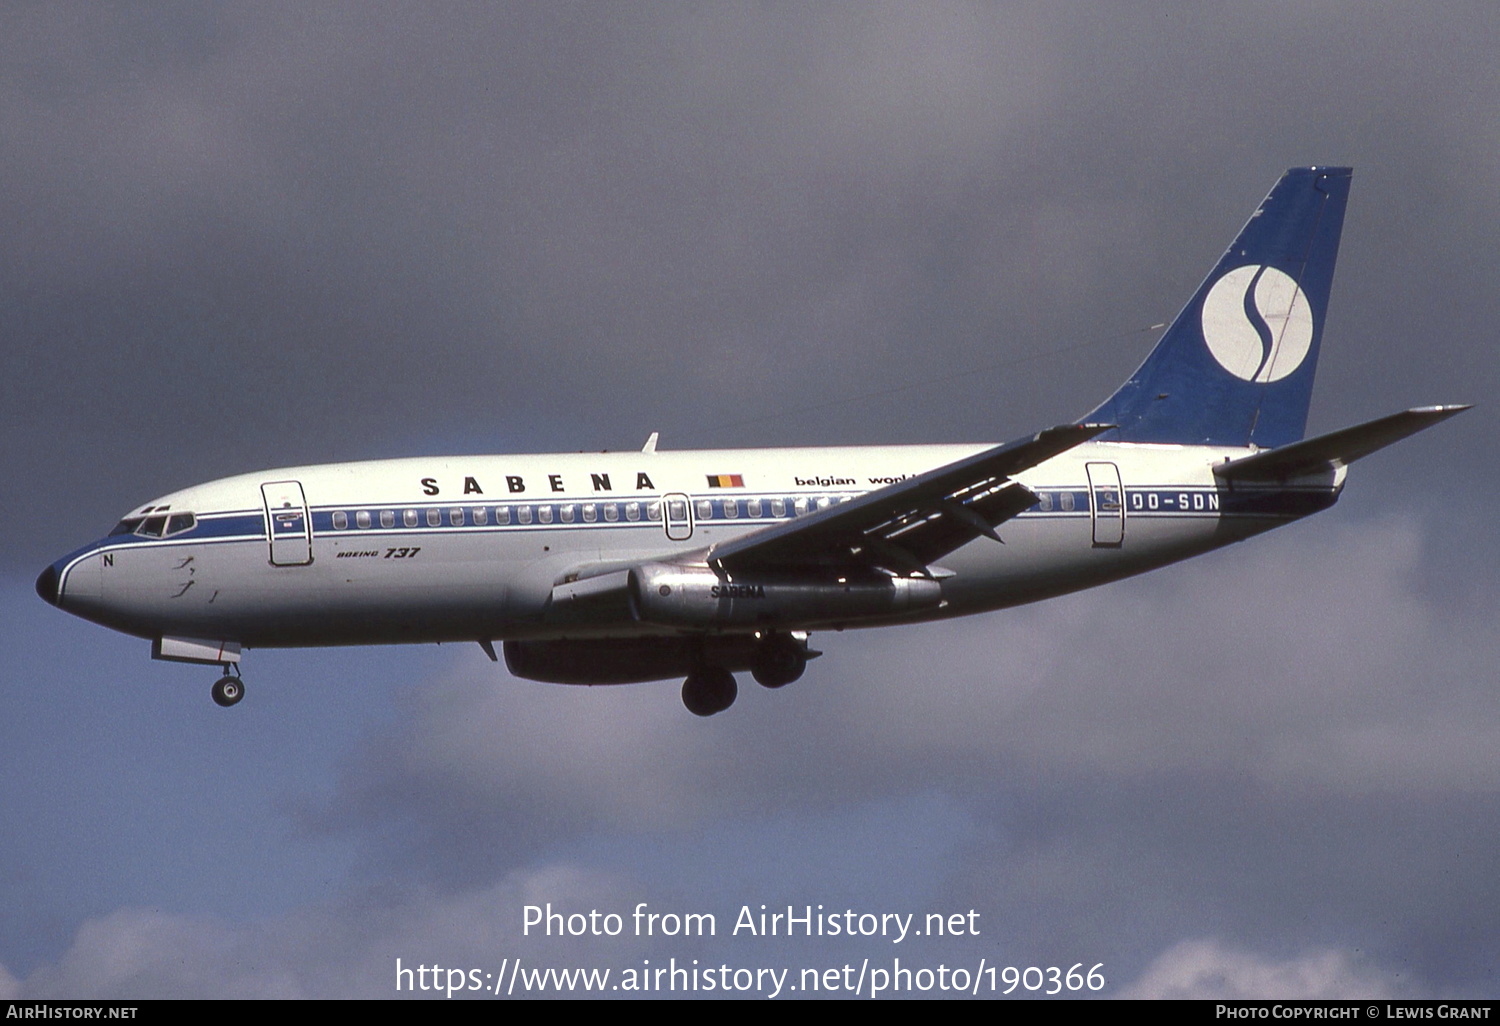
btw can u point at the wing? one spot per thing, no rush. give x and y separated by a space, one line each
907 526
902 528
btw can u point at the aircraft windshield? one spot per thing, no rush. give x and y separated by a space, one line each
160 525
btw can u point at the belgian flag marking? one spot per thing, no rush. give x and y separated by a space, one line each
726 481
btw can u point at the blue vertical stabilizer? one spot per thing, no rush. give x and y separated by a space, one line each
1236 366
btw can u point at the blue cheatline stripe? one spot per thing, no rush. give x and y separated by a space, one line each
1156 501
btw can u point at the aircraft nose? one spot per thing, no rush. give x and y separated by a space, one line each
46 585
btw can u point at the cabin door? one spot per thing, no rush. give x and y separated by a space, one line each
1106 504
288 526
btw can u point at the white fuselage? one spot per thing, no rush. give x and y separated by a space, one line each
466 548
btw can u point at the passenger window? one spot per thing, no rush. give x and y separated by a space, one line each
456 517
523 514
611 512
434 518
1045 505
502 515
409 518
590 513
362 518
752 508
544 514
731 508
565 513
340 520
705 510
632 511
799 506
481 516
1067 502
778 507
653 511
387 518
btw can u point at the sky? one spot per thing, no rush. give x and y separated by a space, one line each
246 236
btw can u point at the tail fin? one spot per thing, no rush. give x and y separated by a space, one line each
1236 366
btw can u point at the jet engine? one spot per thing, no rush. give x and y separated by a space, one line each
677 595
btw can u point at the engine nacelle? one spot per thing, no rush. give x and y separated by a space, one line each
673 595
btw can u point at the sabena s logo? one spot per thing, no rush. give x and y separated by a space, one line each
1257 323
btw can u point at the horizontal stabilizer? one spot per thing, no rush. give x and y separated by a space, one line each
1338 449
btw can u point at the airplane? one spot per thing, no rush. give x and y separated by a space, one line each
613 568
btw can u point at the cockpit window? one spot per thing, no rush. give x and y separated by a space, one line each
163 526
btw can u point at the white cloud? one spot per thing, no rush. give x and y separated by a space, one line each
1207 969
345 948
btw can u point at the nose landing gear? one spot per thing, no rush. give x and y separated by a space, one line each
228 689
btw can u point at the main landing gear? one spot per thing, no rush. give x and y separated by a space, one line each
778 660
228 689
709 690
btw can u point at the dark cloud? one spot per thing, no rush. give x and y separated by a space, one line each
300 234
1227 778
1281 745
237 238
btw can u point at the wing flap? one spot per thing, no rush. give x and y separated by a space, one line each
907 525
932 531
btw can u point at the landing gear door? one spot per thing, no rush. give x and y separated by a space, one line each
288 526
1107 505
677 516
